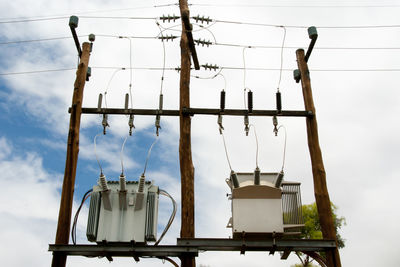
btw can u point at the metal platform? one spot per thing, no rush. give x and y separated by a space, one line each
193 247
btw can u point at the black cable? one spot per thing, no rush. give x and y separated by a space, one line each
73 231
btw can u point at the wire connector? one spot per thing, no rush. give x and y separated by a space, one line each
221 127
246 125
169 18
105 123
167 37
210 67
203 42
130 123
275 123
202 19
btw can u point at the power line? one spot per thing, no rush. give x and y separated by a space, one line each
210 43
35 71
293 6
305 27
90 11
224 68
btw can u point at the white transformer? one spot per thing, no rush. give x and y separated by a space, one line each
126 213
261 208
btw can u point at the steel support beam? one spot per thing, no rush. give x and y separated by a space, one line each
197 111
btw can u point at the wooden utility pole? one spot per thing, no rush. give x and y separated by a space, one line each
185 150
67 194
320 189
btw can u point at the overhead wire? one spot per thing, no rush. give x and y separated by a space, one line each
122 155
109 82
292 6
255 135
95 153
284 147
222 67
92 11
148 154
283 44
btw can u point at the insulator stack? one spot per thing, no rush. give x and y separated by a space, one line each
141 183
122 183
169 18
278 102
250 101
202 19
103 182
203 42
222 101
210 67
167 37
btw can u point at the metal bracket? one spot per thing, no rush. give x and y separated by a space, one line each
188 31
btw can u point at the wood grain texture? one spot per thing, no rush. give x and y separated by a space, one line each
319 176
185 150
67 193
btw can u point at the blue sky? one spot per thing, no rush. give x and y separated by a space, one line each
355 93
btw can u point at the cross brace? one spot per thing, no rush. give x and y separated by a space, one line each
193 246
197 111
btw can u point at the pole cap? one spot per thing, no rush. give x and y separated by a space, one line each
73 21
312 32
92 37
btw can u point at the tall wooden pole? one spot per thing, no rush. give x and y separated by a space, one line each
320 188
185 150
67 194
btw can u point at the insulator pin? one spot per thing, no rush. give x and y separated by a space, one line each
257 176
278 102
234 179
250 101
126 101
222 101
100 101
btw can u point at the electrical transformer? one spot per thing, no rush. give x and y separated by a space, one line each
263 205
123 211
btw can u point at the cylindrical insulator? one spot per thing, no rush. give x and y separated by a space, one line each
141 183
278 101
126 101
100 101
222 100
257 176
250 101
279 180
234 179
103 182
122 183
160 106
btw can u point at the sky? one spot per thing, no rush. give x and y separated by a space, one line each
353 68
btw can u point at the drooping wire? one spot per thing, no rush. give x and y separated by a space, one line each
148 155
108 85
122 155
73 231
283 44
255 135
95 153
226 150
130 69
284 147
244 79
164 56
171 218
